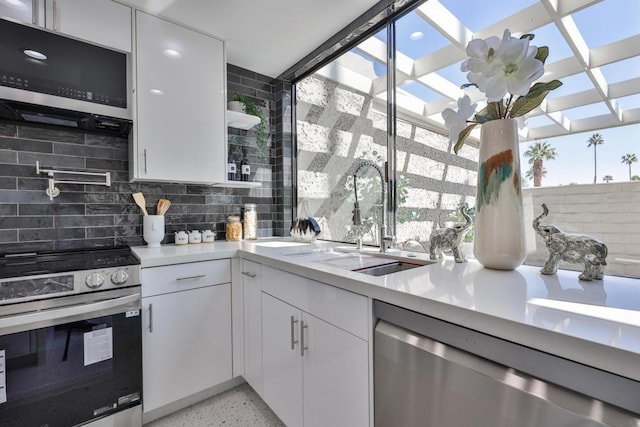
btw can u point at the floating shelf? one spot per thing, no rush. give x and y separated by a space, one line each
238 184
239 120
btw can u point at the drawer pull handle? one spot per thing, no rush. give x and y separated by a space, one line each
191 277
302 346
248 274
293 340
150 318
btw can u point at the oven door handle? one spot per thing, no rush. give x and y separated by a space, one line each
74 313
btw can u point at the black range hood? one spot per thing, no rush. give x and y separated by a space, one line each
41 115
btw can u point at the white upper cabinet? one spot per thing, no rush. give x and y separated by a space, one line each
102 22
180 130
25 11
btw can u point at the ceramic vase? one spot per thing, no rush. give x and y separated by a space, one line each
499 240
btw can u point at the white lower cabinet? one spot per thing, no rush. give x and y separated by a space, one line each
186 330
281 360
336 376
315 373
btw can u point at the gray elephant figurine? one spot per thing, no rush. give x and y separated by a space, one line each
450 238
572 248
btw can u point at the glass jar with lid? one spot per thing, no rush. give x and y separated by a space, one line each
250 222
234 228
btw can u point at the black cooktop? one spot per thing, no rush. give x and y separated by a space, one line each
33 263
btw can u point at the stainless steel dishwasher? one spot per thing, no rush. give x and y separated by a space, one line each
432 373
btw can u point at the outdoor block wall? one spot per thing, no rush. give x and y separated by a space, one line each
608 212
338 125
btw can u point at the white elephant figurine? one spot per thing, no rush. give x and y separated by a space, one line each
572 248
450 238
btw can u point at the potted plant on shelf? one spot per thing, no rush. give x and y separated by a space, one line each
262 136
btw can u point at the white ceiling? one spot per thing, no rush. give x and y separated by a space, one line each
263 36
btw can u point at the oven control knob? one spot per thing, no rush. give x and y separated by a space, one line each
119 277
94 280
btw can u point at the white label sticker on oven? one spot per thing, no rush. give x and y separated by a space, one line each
3 378
98 346
132 313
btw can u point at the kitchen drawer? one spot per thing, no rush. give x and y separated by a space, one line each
341 308
182 277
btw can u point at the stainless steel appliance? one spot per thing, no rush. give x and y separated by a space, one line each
70 339
50 79
431 373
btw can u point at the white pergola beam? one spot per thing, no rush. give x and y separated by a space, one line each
616 51
625 88
445 22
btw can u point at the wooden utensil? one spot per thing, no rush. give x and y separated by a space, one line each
163 206
139 199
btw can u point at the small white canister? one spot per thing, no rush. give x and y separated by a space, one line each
208 236
195 236
182 238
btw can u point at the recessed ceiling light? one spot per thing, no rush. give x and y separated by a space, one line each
172 53
417 35
409 81
35 54
16 4
156 92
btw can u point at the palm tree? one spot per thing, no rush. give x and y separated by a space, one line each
537 153
628 159
529 173
595 140
607 178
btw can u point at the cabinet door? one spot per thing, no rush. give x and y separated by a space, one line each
180 129
186 343
104 22
336 376
22 11
281 360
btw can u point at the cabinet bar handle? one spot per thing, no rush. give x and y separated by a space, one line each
302 346
248 274
150 318
191 277
34 12
55 15
145 160
293 340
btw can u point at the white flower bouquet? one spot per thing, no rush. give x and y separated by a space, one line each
503 70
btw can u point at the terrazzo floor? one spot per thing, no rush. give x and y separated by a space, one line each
240 406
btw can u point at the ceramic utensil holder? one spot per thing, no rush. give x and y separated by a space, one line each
153 230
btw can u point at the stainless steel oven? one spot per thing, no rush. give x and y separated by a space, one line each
70 347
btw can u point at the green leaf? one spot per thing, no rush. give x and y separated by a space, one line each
527 36
466 85
533 99
541 87
490 112
494 109
543 52
462 137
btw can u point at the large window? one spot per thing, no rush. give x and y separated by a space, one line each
342 119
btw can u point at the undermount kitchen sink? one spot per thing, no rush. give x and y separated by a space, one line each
383 270
366 262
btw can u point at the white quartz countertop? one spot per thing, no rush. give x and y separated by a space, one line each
595 323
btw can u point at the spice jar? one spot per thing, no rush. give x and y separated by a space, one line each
250 222
234 228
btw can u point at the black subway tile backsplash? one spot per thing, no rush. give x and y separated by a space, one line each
92 215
